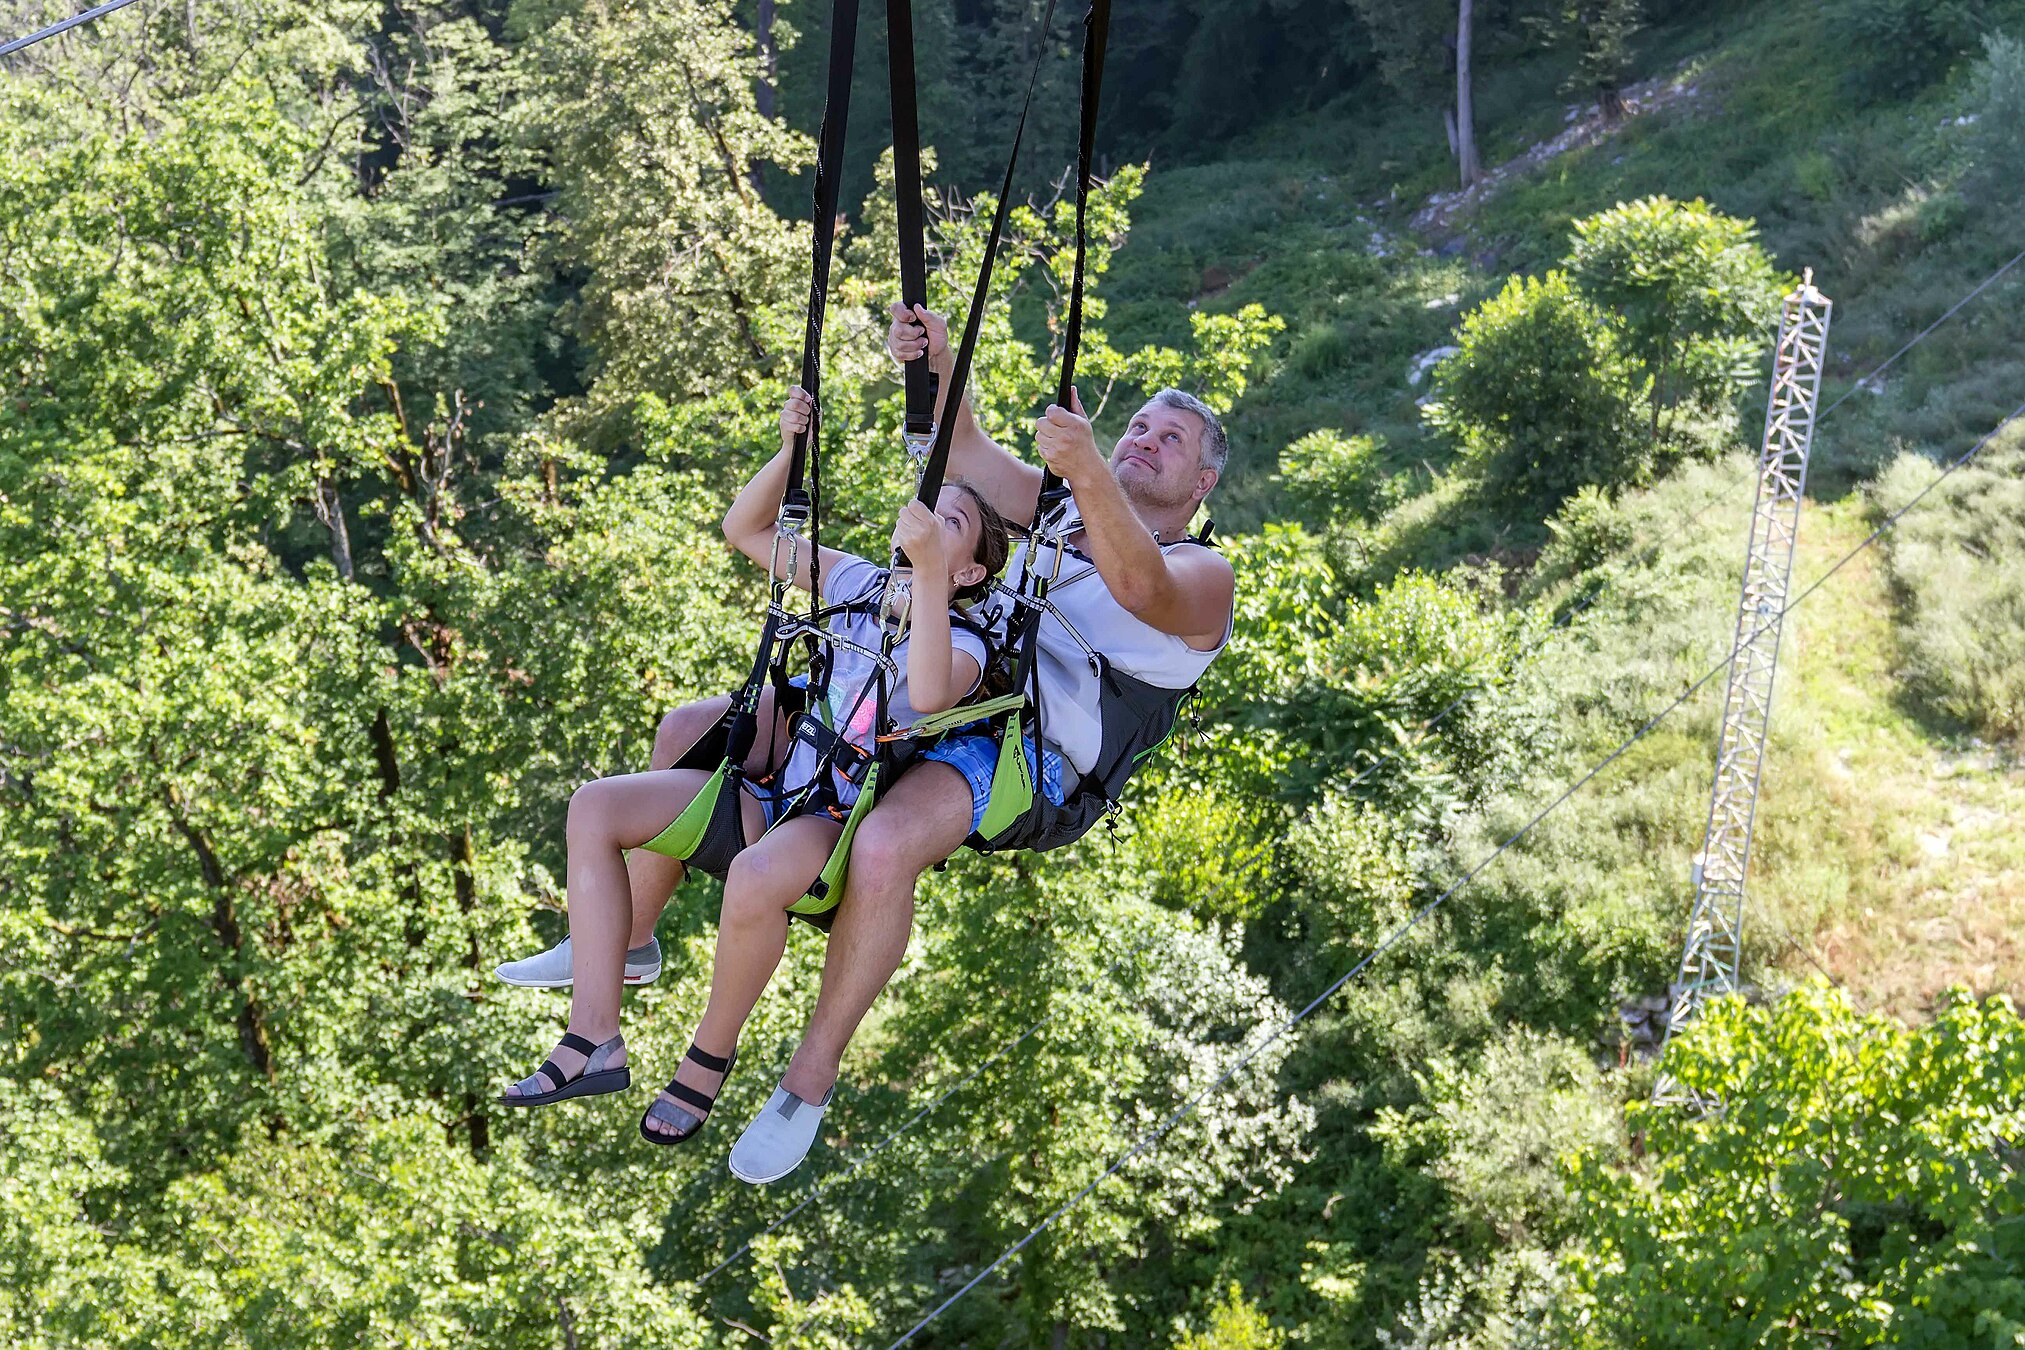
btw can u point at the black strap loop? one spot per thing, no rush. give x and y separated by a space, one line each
908 205
829 182
937 465
1096 38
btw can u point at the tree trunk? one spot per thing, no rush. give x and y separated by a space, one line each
330 509
1465 123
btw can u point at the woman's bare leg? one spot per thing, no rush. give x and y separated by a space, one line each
606 817
651 877
751 935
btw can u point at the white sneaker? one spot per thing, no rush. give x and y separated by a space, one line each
551 969
777 1141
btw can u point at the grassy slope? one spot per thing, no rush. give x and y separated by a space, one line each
1882 854
1891 854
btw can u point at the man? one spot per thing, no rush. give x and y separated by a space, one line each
1156 607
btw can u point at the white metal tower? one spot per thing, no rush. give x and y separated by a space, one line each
1708 964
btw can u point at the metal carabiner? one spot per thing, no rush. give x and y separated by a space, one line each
896 601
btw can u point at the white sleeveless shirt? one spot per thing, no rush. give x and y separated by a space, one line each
1069 686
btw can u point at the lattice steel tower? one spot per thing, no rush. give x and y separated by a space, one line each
1708 965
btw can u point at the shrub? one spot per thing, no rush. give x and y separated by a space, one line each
1997 142
1386 668
1330 476
1494 1132
1858 1188
1698 299
1903 44
1958 567
1234 1324
1540 396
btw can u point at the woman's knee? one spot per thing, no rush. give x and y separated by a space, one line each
589 819
681 728
754 889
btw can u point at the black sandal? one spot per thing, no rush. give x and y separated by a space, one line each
700 1104
590 1081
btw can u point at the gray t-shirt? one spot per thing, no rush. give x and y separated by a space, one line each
1069 688
852 579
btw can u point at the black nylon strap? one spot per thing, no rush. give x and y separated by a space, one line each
937 465
1096 37
704 1058
907 203
1026 627
829 180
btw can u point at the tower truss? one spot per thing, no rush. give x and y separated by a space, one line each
1709 961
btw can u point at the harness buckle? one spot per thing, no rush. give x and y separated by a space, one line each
918 443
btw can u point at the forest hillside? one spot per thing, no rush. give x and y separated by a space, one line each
376 380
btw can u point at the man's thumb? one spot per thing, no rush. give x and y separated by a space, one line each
1075 401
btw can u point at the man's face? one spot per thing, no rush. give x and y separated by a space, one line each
1158 461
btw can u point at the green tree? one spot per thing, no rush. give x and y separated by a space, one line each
1997 143
1903 44
1857 1185
1540 397
1598 33
1697 297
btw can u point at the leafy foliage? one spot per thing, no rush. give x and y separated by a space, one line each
1957 572
1857 1184
1695 294
1906 43
1540 396
1997 143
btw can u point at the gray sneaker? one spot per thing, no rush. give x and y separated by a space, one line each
551 969
779 1137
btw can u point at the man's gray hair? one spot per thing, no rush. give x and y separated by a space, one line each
1215 443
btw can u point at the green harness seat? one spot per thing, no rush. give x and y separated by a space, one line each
710 832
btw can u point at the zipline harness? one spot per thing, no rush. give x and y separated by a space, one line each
710 832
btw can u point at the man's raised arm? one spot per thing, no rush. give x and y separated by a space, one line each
1187 593
1011 486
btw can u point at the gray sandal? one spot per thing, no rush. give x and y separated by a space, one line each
594 1079
687 1122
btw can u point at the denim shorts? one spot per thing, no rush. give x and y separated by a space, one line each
975 756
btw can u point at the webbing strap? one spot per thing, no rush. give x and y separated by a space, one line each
1030 606
937 465
801 499
829 181
1096 36
907 203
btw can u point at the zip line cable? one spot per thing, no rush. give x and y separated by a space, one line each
1153 1136
1653 552
1921 336
1425 733
75 20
